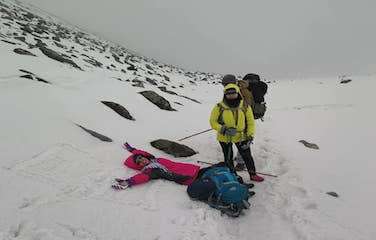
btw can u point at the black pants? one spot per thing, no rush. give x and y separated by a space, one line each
245 152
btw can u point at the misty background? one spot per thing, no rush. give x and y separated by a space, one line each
278 39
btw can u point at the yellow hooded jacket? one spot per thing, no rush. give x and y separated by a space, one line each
240 118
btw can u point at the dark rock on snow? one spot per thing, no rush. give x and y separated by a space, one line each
164 89
345 81
58 57
23 52
95 134
333 194
309 145
119 109
27 76
158 100
173 148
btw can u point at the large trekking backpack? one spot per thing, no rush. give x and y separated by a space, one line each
229 196
258 90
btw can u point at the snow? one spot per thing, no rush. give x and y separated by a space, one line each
55 179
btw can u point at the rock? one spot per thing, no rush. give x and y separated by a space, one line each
166 78
23 52
42 80
6 41
119 109
193 100
151 81
58 57
149 67
178 103
158 100
25 71
132 68
138 83
123 71
164 89
27 76
333 194
309 145
117 59
22 39
173 148
345 81
95 134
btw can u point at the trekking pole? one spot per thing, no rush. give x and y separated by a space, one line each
265 174
195 134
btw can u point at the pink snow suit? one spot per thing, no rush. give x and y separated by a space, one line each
183 173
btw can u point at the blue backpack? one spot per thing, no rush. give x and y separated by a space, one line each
230 196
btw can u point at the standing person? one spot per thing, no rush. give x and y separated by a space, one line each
234 123
253 91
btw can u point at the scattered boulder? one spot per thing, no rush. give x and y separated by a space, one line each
23 52
178 103
158 100
333 194
6 41
22 39
309 145
166 78
173 148
193 100
27 76
119 109
151 81
95 134
42 80
25 71
345 81
132 68
164 89
138 83
58 57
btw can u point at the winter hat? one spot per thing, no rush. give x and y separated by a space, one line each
231 88
227 79
251 77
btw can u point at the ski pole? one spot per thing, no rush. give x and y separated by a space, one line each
265 174
195 134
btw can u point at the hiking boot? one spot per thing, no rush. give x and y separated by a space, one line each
249 185
240 167
251 193
256 178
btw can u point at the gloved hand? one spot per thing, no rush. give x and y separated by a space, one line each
228 131
128 147
250 139
120 184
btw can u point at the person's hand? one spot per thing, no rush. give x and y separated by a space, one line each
120 184
128 147
228 131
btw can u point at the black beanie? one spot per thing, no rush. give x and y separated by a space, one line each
227 79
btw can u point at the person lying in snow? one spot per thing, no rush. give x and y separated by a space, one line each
155 168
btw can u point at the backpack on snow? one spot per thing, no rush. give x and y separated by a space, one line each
229 195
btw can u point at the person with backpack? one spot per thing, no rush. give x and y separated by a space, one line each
151 168
234 124
253 91
221 189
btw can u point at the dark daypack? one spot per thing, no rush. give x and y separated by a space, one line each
229 195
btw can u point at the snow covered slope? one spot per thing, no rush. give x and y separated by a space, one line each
55 178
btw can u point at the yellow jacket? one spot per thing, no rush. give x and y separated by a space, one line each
240 118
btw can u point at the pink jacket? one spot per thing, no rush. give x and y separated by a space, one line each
185 169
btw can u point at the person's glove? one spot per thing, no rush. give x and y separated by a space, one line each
250 140
228 131
128 147
120 184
